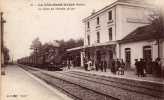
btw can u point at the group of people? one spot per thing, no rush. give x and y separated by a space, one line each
102 65
99 65
69 64
144 67
140 67
117 66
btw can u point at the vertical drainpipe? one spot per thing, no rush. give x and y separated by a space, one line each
115 23
119 50
117 47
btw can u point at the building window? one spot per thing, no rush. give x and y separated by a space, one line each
88 37
128 55
110 15
147 53
98 37
98 21
110 33
88 25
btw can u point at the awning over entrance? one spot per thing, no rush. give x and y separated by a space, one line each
111 43
95 52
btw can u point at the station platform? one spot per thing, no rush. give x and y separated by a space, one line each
128 74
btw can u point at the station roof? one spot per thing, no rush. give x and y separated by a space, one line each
142 33
110 43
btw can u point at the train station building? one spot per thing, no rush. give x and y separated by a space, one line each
121 30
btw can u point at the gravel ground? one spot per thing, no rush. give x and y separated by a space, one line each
19 85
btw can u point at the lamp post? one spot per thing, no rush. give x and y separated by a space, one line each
2 43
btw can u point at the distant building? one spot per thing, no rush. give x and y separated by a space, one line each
109 33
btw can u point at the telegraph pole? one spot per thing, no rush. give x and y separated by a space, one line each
2 44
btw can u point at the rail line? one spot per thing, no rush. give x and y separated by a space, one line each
108 83
108 80
33 71
100 95
123 81
157 94
108 97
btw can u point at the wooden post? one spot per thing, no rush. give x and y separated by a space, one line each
2 43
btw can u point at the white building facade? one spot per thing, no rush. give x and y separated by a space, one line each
107 26
105 29
121 17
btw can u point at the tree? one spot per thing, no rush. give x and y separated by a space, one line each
71 43
36 45
79 42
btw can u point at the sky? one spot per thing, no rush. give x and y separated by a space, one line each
25 22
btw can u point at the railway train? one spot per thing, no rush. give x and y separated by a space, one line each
47 58
51 58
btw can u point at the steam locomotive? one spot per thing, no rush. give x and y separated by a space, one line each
48 58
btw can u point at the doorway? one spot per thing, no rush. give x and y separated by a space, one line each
147 53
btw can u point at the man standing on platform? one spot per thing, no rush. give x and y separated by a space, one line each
137 67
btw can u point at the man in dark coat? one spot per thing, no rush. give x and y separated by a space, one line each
104 65
117 66
158 67
85 64
96 65
101 65
142 66
113 70
137 67
122 67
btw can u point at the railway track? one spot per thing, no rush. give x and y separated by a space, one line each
72 89
132 90
82 92
140 87
85 86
